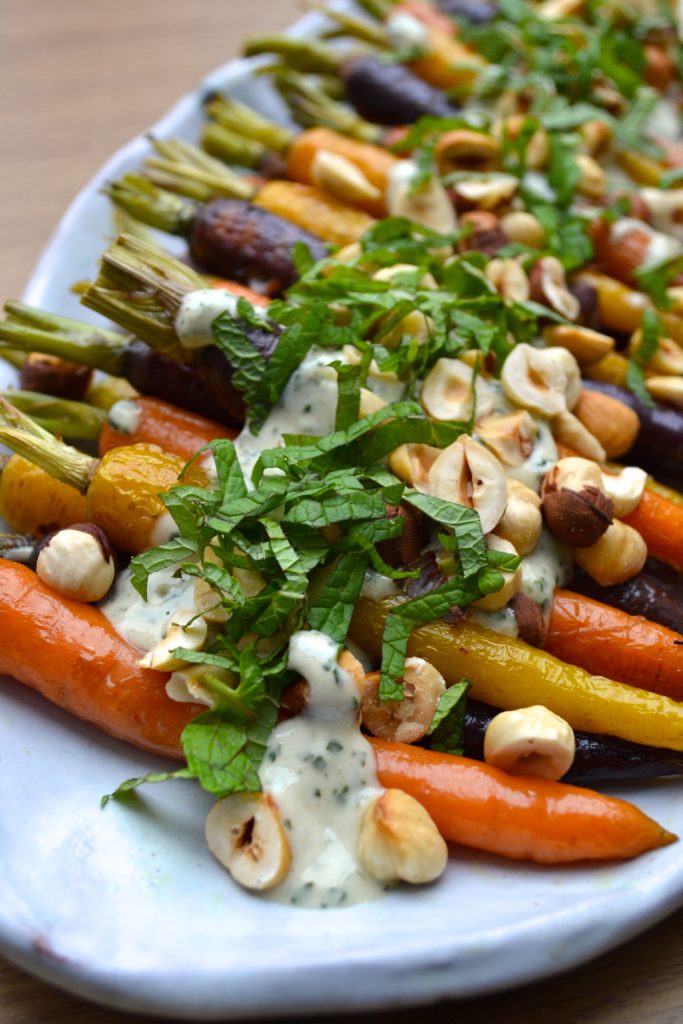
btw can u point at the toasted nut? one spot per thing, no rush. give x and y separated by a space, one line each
510 437
245 834
666 389
468 474
209 600
668 357
530 741
625 489
509 279
450 390
414 325
531 625
552 10
585 345
185 684
466 150
665 209
412 463
512 581
185 629
537 148
407 720
486 193
570 431
549 287
483 234
369 402
596 136
428 205
612 422
524 228
398 841
522 521
77 562
575 507
616 557
542 380
337 175
389 273
592 178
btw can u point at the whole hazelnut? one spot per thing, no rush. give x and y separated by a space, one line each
77 562
575 508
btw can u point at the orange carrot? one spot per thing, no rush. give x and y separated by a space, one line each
174 429
375 163
519 817
241 290
607 641
71 654
659 521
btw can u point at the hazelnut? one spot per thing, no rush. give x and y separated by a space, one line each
575 508
245 834
407 720
398 841
77 562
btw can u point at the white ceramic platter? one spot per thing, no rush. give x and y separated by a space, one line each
126 906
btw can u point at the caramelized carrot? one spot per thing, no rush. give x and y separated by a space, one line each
375 163
608 641
659 521
519 817
71 654
240 290
173 429
34 502
314 210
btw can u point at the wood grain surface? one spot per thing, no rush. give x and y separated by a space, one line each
77 79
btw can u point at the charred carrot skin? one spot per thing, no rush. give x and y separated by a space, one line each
173 429
71 654
520 817
605 640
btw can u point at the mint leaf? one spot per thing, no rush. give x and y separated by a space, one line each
446 733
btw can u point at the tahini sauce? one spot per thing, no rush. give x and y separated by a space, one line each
320 771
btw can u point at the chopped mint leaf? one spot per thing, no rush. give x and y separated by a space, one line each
446 733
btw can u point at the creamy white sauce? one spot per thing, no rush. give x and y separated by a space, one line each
199 309
163 530
143 623
503 620
308 405
548 566
124 416
320 771
543 456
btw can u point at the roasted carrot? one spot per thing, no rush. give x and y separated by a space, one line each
70 653
155 422
517 816
507 673
375 163
241 290
605 640
659 521
122 489
314 211
34 502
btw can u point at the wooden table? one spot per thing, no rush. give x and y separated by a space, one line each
77 79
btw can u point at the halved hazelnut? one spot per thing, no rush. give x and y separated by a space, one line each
468 474
547 381
245 834
407 720
549 287
510 437
450 390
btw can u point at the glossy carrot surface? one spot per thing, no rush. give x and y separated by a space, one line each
519 817
70 653
605 640
174 429
659 521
